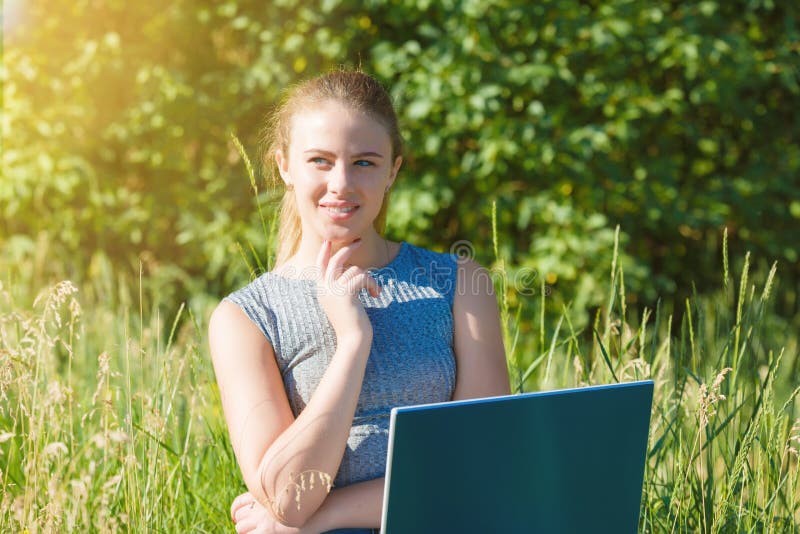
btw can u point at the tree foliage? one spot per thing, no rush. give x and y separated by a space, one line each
671 119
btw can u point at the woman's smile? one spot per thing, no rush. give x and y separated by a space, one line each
339 212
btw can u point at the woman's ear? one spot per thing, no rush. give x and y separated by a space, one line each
395 168
282 160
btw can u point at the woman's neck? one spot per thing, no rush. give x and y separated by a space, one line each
374 252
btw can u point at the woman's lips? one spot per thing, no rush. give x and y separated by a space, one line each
339 213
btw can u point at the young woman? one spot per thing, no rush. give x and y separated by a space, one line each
311 356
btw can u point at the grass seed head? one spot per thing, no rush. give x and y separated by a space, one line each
709 397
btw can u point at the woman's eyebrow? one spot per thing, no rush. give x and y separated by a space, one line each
367 155
318 151
329 153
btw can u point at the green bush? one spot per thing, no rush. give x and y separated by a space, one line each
672 120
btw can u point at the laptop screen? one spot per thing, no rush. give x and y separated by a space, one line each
557 461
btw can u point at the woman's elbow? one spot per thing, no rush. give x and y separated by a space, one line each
293 512
295 498
294 519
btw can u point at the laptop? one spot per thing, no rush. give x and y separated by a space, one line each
565 461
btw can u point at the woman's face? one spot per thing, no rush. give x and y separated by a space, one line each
340 164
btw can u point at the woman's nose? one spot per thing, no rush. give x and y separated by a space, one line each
340 178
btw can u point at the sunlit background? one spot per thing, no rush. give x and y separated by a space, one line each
649 128
672 120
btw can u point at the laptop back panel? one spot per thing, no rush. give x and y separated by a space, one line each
560 461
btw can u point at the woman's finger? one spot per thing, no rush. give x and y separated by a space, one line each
373 286
336 264
243 512
247 524
349 274
323 257
239 501
354 279
365 280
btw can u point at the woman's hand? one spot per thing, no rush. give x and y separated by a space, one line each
338 285
251 517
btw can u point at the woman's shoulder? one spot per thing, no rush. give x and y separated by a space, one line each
269 296
251 288
422 254
270 288
427 269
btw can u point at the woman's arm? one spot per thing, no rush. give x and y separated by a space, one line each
272 447
358 505
355 506
282 457
477 338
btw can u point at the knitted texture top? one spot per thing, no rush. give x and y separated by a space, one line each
411 359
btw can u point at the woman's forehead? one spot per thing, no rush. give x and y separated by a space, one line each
333 126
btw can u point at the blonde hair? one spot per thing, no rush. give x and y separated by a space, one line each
352 88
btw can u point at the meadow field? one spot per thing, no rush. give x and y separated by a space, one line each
110 418
626 169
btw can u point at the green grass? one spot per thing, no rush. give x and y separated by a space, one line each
110 419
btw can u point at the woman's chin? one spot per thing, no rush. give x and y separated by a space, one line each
341 235
338 237
342 240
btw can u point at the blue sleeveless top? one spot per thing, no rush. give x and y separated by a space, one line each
411 359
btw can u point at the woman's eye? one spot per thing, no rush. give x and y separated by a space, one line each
319 161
